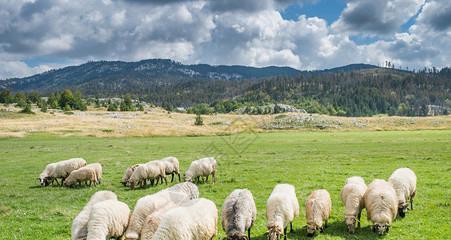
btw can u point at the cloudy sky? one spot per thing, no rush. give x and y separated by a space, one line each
38 35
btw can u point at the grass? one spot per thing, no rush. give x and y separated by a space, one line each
309 160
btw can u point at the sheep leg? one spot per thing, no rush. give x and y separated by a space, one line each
179 177
291 226
411 200
358 217
213 174
249 233
172 177
62 181
198 179
55 179
165 180
285 233
207 179
325 224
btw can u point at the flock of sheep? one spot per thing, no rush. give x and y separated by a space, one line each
178 213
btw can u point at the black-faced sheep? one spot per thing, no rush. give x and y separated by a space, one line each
381 205
404 181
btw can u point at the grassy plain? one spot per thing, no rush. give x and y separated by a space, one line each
309 160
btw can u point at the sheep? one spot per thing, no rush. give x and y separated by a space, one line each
172 167
80 223
404 181
161 165
317 211
60 169
188 188
282 207
201 168
108 219
153 220
149 204
238 214
128 173
352 198
97 167
381 205
84 174
144 172
194 219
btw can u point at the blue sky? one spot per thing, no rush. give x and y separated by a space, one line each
38 35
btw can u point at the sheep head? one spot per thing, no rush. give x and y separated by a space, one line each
274 232
351 223
237 236
402 209
381 228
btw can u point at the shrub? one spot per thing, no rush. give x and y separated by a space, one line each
198 121
27 109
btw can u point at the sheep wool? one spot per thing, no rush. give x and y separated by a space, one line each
44 177
83 174
238 214
144 172
352 198
381 205
145 206
108 219
193 220
188 188
172 167
282 207
80 224
404 181
317 211
97 167
203 167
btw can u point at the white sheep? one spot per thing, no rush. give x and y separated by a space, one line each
193 220
317 211
108 219
60 169
153 220
188 188
128 173
352 198
172 167
80 175
148 171
281 208
381 205
80 223
147 205
404 181
238 214
203 167
97 167
162 167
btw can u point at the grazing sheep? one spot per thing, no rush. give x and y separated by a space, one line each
317 211
80 223
281 208
238 214
83 174
161 165
404 181
108 219
352 198
60 169
172 167
128 173
188 188
153 220
148 171
193 220
203 167
97 167
381 205
145 206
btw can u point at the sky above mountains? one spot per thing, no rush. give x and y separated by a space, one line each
38 35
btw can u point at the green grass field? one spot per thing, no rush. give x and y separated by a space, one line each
309 160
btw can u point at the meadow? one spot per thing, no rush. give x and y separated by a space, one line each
308 160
